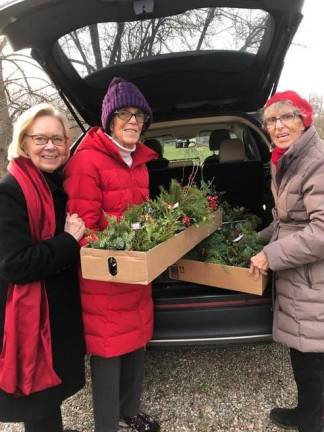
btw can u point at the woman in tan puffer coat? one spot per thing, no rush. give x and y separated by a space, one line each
296 253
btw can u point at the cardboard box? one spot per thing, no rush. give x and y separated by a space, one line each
142 267
217 275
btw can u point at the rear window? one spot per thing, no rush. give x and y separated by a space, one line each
97 46
194 148
181 149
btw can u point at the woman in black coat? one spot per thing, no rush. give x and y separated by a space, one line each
41 335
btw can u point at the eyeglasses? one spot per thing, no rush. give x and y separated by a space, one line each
42 140
286 119
127 115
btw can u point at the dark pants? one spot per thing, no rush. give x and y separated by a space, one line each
308 371
116 388
52 423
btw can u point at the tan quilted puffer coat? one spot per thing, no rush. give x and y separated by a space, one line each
296 245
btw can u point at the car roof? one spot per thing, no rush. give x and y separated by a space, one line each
177 85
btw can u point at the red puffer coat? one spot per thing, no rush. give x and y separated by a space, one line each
118 318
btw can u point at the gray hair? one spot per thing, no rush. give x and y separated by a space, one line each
281 103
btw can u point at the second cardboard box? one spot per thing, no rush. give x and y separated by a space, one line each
217 275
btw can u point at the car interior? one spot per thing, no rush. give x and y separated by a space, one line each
231 155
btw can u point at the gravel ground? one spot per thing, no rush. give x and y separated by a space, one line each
203 389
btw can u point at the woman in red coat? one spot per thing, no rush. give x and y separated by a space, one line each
105 176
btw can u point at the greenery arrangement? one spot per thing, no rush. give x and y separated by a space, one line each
234 215
144 226
234 243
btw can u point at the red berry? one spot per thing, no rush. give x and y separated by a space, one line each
186 220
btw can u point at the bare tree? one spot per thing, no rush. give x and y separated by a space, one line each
194 30
5 121
95 42
317 103
22 84
208 20
115 56
82 51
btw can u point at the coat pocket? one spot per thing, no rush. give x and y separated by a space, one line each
315 274
307 275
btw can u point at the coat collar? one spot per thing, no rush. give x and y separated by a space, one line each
97 140
308 139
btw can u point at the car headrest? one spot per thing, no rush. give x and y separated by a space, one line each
231 150
216 137
155 145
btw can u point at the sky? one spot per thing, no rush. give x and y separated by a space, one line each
304 63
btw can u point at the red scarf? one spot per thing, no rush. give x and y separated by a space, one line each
26 364
277 154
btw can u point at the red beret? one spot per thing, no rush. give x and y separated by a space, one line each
301 104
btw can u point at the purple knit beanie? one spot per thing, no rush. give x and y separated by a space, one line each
121 94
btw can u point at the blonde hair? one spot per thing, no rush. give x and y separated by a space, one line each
26 119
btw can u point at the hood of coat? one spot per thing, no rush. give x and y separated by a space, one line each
97 140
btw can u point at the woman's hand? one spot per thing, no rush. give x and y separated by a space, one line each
259 265
74 225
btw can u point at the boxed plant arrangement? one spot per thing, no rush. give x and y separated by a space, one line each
222 260
151 236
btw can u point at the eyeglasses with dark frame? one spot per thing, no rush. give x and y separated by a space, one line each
42 140
127 115
286 119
